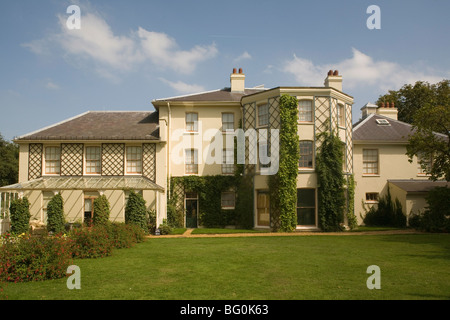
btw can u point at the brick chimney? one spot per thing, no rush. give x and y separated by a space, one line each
237 81
388 109
333 80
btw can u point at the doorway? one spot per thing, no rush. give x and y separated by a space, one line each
191 205
263 209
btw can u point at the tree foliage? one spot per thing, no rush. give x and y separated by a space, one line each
9 162
101 211
331 192
20 215
283 185
424 142
55 214
136 211
411 98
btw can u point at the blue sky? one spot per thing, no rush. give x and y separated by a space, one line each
128 53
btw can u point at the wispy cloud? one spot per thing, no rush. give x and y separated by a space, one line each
243 56
183 87
361 70
96 45
51 85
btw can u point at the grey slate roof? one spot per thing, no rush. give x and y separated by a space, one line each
418 186
102 125
224 94
369 130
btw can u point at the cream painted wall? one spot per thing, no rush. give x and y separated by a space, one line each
393 164
23 162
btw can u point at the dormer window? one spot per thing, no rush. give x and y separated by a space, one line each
382 122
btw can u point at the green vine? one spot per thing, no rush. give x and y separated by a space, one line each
331 191
283 185
351 217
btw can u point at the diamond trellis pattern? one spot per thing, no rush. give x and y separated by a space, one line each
113 158
321 113
35 160
149 161
334 114
72 159
249 123
349 138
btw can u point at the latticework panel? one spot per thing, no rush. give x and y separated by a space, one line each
349 138
35 160
149 161
322 114
274 113
113 159
249 123
334 114
72 159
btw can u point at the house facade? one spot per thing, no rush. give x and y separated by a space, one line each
112 153
381 163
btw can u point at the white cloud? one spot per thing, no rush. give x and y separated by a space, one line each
51 85
183 87
97 47
243 56
360 70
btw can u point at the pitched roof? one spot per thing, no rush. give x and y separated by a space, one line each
368 129
224 94
102 125
418 186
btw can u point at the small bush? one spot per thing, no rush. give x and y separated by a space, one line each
386 214
125 235
436 217
20 215
91 242
26 258
55 214
101 211
164 228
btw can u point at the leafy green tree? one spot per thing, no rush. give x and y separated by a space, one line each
101 211
55 214
410 98
20 215
424 141
136 211
9 162
331 192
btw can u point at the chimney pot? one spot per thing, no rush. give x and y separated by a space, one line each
382 105
392 105
234 70
330 73
336 73
240 70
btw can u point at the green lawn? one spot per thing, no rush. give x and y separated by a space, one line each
274 267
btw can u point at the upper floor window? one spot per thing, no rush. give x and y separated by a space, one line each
93 160
263 115
306 154
227 122
227 161
341 115
424 164
191 161
52 160
134 160
370 161
192 122
305 111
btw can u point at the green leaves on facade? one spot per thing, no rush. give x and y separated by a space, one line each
20 215
136 211
55 214
101 211
283 185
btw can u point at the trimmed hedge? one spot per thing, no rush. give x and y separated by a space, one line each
101 211
20 215
55 214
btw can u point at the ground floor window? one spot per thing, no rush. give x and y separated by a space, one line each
227 200
372 197
263 209
306 207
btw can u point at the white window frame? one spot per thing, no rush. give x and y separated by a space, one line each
312 155
46 161
228 207
226 167
364 161
192 122
191 161
86 160
305 116
138 161
262 116
227 124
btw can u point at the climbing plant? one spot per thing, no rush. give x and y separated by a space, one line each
351 217
283 184
55 214
331 182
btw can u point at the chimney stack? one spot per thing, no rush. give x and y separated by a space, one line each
237 81
333 80
388 110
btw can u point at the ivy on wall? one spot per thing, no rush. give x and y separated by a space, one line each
283 185
351 217
331 183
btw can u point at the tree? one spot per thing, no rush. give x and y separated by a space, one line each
9 162
20 215
101 211
136 211
55 214
410 98
432 149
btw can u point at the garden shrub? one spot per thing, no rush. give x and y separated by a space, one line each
125 235
436 217
55 214
28 258
101 211
91 242
20 215
387 213
164 228
136 211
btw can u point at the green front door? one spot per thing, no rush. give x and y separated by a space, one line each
191 210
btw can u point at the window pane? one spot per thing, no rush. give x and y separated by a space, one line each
191 122
227 199
227 121
306 154
134 160
306 197
306 216
305 110
263 115
370 161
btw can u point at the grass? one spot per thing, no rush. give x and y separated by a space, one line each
268 268
225 231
